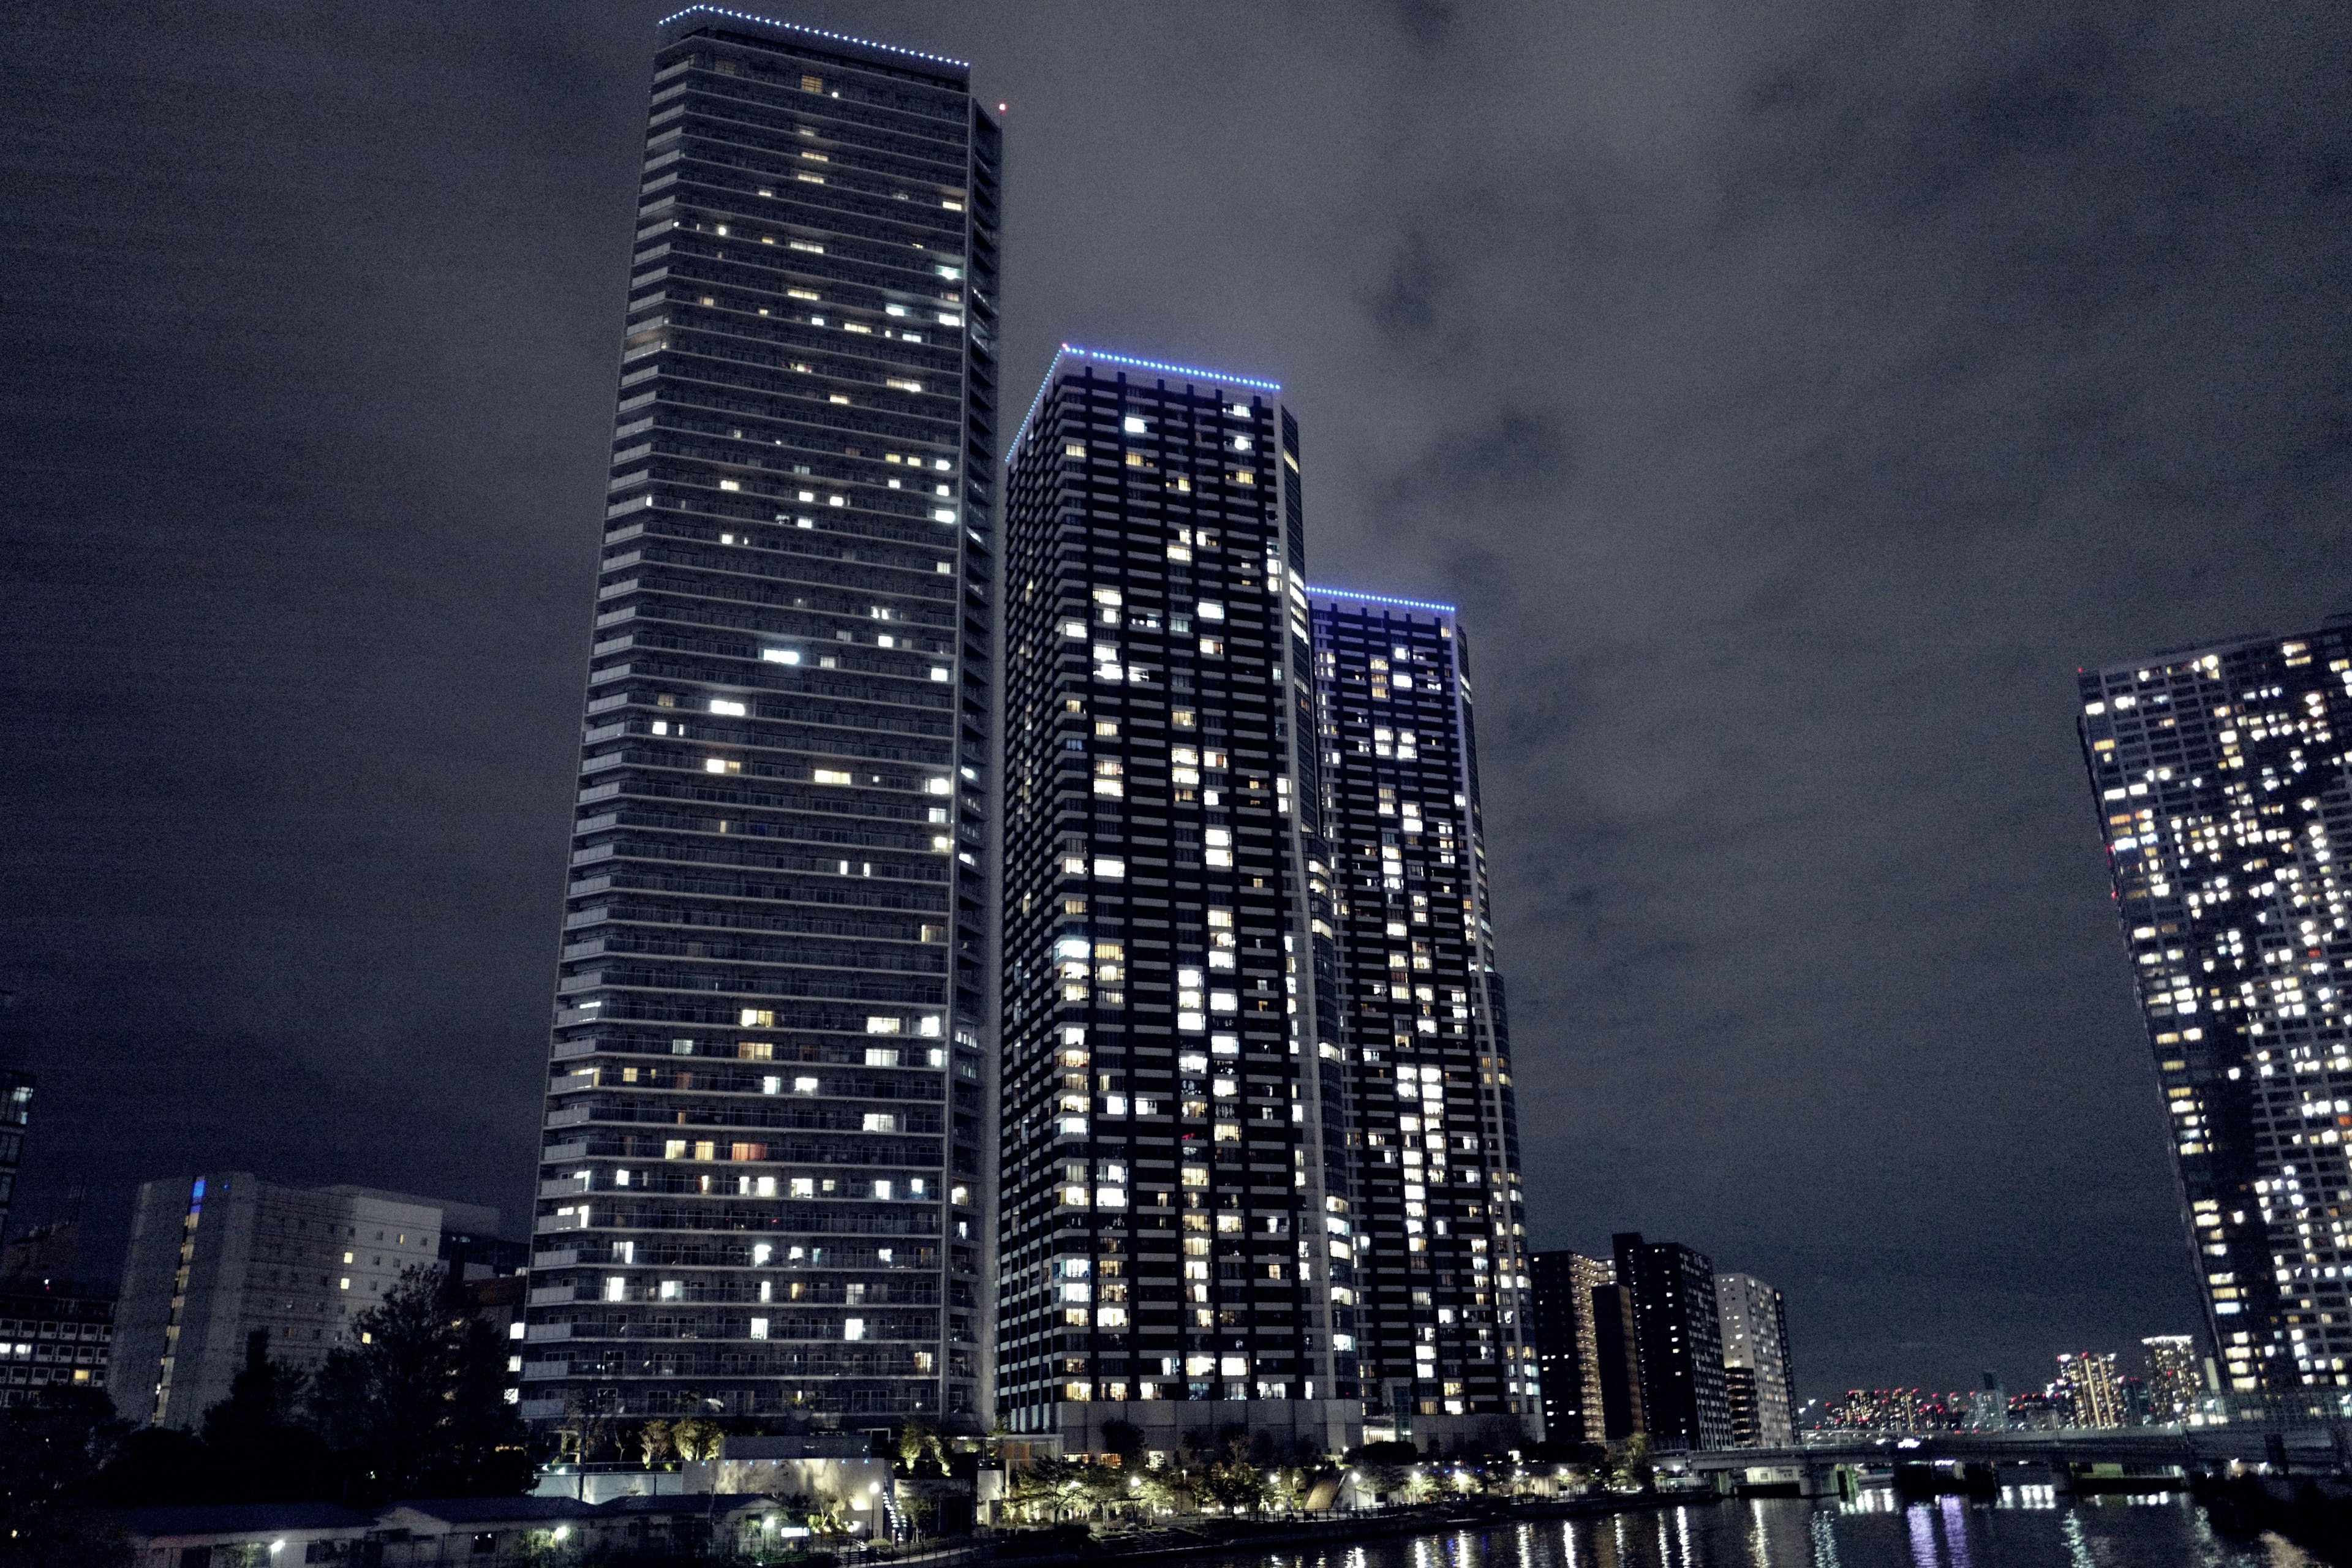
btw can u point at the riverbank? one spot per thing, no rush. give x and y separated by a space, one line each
1043 1548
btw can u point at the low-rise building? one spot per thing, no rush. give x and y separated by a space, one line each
216 1259
480 1532
53 1333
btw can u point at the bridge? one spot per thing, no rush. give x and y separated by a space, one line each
1834 1467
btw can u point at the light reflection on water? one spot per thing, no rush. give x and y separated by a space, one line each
2030 1528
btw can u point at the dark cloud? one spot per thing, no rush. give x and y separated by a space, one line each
1793 397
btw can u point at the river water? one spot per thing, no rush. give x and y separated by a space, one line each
2028 1528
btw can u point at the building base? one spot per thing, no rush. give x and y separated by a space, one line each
1170 1426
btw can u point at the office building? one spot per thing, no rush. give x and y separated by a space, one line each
1440 1337
1180 1248
1988 1409
2224 795
15 1114
214 1259
1759 1389
1678 1342
2171 1378
764 1180
1564 1328
2088 1388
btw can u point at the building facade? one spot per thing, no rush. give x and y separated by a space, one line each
2088 1389
1759 1387
1678 1342
1179 1237
2171 1378
764 1180
1563 1325
214 1259
53 1333
2223 785
1440 1335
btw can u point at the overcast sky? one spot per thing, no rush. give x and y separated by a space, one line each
1792 396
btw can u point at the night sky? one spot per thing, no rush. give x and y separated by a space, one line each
1792 397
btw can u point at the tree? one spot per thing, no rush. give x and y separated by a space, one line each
256 1446
653 1442
52 1450
1629 1463
418 1405
1124 1438
918 1441
696 1438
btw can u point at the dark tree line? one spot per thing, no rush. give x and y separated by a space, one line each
414 1406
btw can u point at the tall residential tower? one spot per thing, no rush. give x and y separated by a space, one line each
1441 1340
1178 1224
1678 1342
2222 776
764 1186
1759 1389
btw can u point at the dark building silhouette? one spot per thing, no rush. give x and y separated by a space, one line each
764 1177
1441 1336
2223 780
1563 1328
15 1114
1678 1342
1617 1365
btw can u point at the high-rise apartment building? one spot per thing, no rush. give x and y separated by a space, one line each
1678 1341
1180 1237
764 1180
1759 1389
1563 1325
214 1259
1441 1337
2087 1387
2223 785
15 1114
2172 1383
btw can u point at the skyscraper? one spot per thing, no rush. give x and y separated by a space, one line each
1759 1388
2087 1384
2224 791
1678 1341
1441 1340
1179 1240
2172 1382
1563 1328
764 1183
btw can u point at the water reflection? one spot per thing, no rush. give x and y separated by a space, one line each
2030 1526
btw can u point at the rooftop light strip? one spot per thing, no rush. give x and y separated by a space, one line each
812 32
1070 351
1379 599
1173 369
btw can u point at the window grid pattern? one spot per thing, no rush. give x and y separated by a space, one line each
2223 783
763 1187
1438 1328
1164 1180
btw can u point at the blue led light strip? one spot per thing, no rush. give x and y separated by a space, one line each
812 32
1069 350
1380 599
1173 369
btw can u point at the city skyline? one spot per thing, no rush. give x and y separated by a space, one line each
329 563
